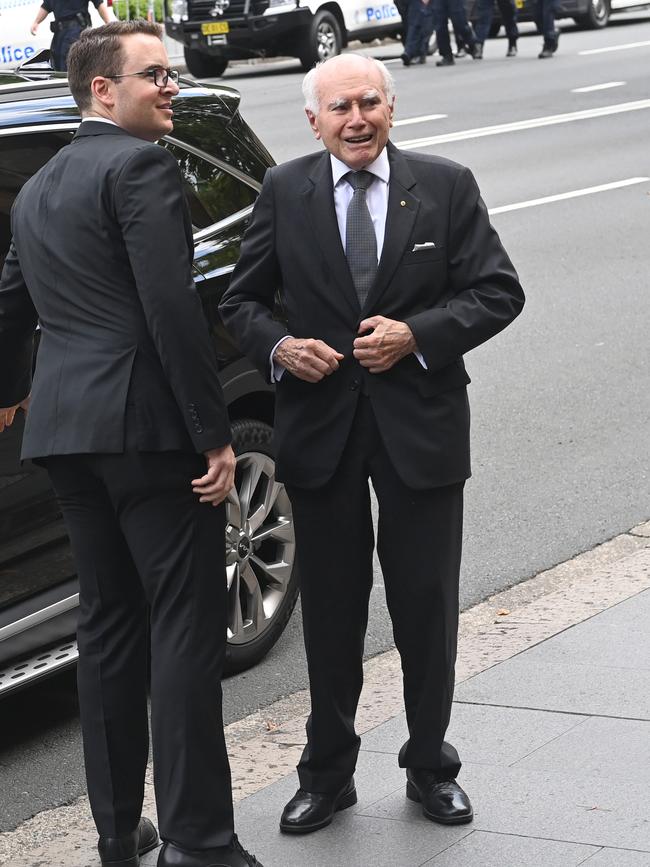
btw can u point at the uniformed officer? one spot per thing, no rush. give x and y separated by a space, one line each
70 18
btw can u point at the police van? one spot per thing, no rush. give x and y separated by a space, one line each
16 42
213 32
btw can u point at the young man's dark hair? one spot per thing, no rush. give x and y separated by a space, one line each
99 52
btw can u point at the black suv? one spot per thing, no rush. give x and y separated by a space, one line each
223 164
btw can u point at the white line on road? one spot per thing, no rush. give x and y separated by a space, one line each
604 86
615 48
573 194
422 119
549 120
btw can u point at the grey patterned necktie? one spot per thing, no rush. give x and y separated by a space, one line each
360 238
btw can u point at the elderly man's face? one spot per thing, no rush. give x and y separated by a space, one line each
354 117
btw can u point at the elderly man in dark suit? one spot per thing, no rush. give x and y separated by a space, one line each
388 271
127 415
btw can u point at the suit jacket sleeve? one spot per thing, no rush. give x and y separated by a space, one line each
248 303
17 325
149 206
484 293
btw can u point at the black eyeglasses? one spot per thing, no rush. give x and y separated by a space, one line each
160 75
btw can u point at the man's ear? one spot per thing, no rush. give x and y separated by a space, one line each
101 90
313 122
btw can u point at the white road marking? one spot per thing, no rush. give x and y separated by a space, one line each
604 86
422 119
534 122
573 194
615 48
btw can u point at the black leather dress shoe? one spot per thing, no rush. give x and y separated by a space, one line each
125 851
445 60
233 855
443 802
309 811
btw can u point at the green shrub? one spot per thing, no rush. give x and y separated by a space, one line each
124 9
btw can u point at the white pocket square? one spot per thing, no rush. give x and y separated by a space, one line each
427 245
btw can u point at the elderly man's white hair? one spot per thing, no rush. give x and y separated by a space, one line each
310 81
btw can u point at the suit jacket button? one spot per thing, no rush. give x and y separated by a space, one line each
354 385
198 428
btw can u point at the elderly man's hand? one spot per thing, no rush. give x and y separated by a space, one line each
7 413
307 359
214 486
388 341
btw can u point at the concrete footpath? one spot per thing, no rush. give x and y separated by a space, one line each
551 718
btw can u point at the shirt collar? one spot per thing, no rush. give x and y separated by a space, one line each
98 119
380 168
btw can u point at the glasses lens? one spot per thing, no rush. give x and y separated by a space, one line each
160 76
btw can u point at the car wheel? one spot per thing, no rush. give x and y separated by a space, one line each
321 41
260 550
202 65
596 16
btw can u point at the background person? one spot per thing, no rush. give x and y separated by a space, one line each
420 28
70 19
545 14
444 10
508 12
388 271
128 417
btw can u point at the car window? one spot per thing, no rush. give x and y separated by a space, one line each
21 156
212 193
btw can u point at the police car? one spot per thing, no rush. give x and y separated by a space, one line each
16 42
214 32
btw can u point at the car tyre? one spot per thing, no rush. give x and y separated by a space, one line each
260 550
202 65
321 41
596 16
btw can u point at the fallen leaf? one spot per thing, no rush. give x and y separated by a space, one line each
502 612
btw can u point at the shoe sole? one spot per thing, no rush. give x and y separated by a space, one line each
347 800
413 795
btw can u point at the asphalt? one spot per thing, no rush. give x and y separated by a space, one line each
551 718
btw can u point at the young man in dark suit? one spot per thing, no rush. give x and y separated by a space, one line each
388 271
127 414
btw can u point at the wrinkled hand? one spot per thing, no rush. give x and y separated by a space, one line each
389 341
214 486
7 413
307 359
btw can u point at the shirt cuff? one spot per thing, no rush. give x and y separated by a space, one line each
419 357
277 369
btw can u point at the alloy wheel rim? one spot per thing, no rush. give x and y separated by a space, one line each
260 547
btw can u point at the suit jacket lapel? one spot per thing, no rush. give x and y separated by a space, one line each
403 206
319 204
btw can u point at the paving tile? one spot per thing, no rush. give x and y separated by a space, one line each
618 858
599 745
601 643
528 681
481 733
482 849
634 611
553 804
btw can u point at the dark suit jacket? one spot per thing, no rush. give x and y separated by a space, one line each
101 256
454 296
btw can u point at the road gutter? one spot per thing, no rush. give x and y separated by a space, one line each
265 746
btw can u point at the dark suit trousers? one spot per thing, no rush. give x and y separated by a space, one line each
419 547
143 543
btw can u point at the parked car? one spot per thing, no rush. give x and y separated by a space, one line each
217 31
588 14
223 163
